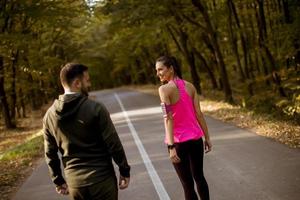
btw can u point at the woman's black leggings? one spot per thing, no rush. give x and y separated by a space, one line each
190 169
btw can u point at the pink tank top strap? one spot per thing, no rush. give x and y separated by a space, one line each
180 84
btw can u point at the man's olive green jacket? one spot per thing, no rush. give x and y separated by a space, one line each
82 131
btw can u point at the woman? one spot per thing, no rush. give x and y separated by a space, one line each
185 126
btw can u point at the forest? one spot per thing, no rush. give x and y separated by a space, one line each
246 50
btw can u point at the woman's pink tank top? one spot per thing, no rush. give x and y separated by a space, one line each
185 124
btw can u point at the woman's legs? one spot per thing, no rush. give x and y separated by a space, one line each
196 162
184 172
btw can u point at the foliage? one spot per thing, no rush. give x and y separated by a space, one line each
245 48
36 38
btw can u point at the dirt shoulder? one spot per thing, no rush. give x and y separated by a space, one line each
20 152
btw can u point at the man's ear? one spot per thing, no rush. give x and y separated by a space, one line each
76 83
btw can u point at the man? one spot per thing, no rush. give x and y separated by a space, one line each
82 131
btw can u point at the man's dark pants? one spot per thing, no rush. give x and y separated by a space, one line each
105 190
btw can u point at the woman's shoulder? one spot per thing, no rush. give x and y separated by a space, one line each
167 88
190 87
188 84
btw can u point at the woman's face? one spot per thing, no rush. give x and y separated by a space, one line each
163 72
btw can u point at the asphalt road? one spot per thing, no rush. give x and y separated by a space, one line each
242 165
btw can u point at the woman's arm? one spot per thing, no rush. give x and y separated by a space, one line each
202 122
168 122
168 119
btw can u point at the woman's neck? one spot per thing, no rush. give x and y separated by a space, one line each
174 78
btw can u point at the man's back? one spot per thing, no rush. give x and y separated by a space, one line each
81 129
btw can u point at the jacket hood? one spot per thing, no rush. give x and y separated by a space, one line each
67 105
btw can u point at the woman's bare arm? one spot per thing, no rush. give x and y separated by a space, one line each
201 120
168 122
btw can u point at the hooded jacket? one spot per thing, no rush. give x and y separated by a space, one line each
82 131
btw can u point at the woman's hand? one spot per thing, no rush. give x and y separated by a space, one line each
207 146
173 156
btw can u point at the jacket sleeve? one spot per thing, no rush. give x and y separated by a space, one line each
112 141
52 158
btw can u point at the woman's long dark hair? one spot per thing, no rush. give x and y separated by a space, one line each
169 61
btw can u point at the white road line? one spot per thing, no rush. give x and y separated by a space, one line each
159 187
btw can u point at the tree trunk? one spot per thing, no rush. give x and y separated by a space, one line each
257 62
223 72
174 38
251 63
286 11
275 76
32 93
264 49
22 102
15 56
2 6
269 17
254 41
261 37
206 40
5 108
191 61
265 69
234 41
214 4
262 18
150 61
245 46
242 36
279 4
209 71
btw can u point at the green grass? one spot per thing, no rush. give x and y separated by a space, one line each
29 149
15 164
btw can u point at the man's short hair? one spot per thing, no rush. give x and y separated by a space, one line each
71 71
